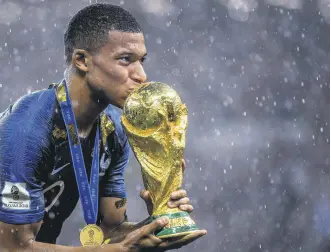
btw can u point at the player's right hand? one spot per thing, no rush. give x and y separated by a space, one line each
143 238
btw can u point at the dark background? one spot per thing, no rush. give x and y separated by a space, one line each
255 77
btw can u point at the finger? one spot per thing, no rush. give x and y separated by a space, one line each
177 203
173 244
150 242
183 164
134 236
178 194
187 208
144 194
155 225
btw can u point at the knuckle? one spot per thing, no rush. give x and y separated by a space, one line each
143 231
186 200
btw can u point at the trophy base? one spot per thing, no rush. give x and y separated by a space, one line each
180 224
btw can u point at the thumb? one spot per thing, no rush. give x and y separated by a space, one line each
183 165
144 194
157 225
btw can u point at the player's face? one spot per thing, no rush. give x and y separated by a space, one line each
117 69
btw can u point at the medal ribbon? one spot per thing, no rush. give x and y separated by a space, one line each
88 193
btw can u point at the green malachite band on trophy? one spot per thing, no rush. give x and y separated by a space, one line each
180 223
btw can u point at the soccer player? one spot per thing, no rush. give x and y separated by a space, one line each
66 143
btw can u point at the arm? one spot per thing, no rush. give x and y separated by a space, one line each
14 238
116 228
112 207
113 210
114 223
20 238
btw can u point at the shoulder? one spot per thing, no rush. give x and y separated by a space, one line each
36 105
114 115
30 116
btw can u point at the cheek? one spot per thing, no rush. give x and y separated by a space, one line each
109 73
120 74
116 76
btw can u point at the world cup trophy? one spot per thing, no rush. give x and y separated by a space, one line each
155 121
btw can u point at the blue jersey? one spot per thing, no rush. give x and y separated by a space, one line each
37 180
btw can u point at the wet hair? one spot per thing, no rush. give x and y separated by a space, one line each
89 28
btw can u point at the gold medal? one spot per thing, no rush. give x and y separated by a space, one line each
91 235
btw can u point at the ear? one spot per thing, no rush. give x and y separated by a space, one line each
81 60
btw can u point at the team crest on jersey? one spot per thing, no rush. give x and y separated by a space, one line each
59 133
15 196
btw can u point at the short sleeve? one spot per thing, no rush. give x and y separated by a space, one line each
113 183
24 137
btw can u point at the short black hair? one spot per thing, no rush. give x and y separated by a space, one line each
89 28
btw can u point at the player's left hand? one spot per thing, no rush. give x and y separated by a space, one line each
177 199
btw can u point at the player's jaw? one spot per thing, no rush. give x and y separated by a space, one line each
114 93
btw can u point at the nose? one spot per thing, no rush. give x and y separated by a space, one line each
138 74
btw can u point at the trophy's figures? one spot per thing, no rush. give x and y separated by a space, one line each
155 120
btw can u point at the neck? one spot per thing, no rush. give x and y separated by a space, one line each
86 109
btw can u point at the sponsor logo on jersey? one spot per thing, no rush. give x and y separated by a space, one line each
57 170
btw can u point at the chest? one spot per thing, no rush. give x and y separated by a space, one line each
58 176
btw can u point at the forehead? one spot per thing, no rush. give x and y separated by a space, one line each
125 42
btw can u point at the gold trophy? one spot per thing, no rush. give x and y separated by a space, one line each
155 121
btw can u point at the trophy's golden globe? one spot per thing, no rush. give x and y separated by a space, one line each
155 121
